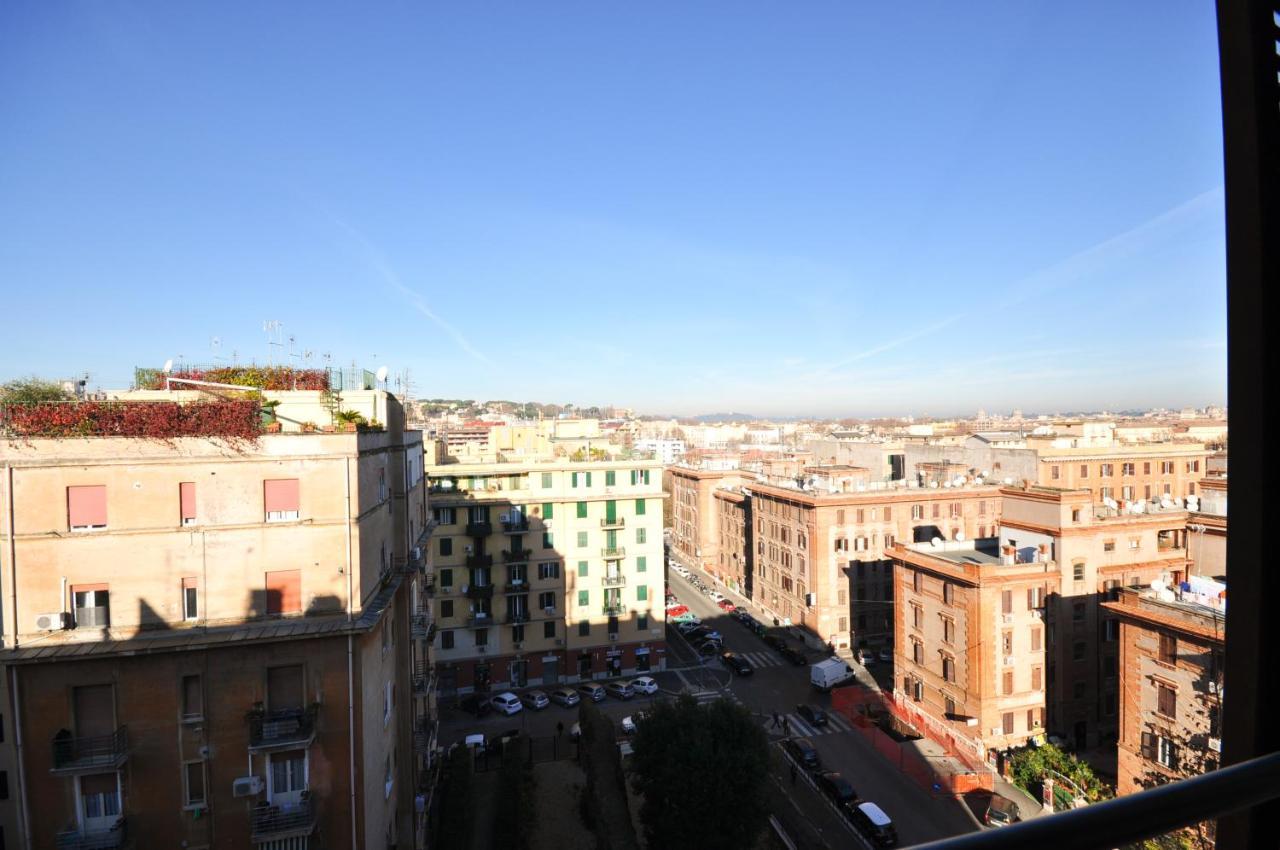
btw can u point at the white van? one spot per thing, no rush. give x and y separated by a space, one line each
825 675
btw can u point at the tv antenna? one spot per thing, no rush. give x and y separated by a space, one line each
274 329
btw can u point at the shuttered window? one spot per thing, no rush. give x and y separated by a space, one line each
284 592
87 507
187 502
280 499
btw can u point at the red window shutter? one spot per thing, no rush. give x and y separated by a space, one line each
87 506
284 592
1148 746
187 496
280 494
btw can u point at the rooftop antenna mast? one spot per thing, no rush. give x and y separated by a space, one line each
274 329
215 346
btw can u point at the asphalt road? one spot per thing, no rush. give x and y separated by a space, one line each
777 685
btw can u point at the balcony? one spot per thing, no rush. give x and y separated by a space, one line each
613 553
516 585
422 625
287 820
515 617
276 730
94 754
73 838
616 522
478 591
474 561
424 678
612 609
479 529
424 734
519 556
480 621
515 526
614 580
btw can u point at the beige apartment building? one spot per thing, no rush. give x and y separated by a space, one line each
546 571
695 530
1006 640
736 533
1123 472
821 559
209 640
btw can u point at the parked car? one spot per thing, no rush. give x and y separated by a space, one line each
793 655
1001 811
886 654
507 703
726 605
836 787
537 700
591 691
872 822
677 610
566 697
736 663
803 751
814 715
700 632
686 617
475 704
687 626
644 685
619 690
708 648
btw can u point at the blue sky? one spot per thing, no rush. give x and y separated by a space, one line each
818 208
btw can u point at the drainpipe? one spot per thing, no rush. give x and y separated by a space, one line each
25 822
351 706
13 551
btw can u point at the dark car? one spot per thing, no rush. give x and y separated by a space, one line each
813 714
1001 812
708 648
836 787
736 663
793 655
477 704
803 751
871 821
775 641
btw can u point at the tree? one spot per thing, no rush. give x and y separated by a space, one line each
32 391
702 770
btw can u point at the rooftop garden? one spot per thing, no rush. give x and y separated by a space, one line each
233 419
257 377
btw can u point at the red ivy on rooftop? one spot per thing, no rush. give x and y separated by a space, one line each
161 420
258 377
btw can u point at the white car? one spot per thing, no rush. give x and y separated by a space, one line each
644 685
715 595
507 703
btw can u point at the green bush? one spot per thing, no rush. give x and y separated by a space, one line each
457 804
606 785
1029 767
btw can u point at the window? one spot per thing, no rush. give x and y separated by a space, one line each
584 628
639 507
284 592
1077 689
642 564
482 637
92 605
1166 700
582 569
187 502
548 541
1006 721
948 669
1168 649
1055 472
948 630
582 539
549 629
446 639
1077 612
1035 640
642 593
584 598
610 478
192 699
546 481
917 616
549 569
190 599
917 652
87 507
1084 470
193 783
1108 546
582 510
1106 470
1077 651
1036 674
280 499
1160 749
1035 598
915 581
1077 571
1112 627
445 516
288 774
517 633
1006 602
917 511
446 546
1006 642
446 609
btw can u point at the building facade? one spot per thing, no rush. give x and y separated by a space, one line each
546 572
210 641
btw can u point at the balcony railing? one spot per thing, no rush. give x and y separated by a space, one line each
424 734
479 529
612 609
94 753
613 581
478 591
513 526
479 621
288 728
517 617
268 822
474 561
424 677
614 552
73 838
516 585
616 522
422 623
1133 817
516 557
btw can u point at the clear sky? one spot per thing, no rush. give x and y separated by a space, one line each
782 208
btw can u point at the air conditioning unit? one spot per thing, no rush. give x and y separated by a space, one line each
504 518
469 549
417 553
1215 744
1008 661
246 786
1037 613
613 635
1006 618
53 622
1213 687
204 752
550 609
559 641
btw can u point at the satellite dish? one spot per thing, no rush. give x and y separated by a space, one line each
978 480
382 374
936 542
959 535
1008 481
168 366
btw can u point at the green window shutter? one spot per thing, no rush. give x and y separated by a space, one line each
642 593
546 481
646 476
611 539
548 510
446 578
582 540
611 510
641 564
548 541
582 569
584 598
641 537
588 479
610 478
639 507
582 510
574 479
633 478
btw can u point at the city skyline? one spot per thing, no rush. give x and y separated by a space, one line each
853 213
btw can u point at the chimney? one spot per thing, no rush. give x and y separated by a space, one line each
1008 555
1044 551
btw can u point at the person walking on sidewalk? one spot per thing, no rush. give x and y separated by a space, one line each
793 773
777 721
786 726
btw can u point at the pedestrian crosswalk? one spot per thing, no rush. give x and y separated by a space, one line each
759 660
794 724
